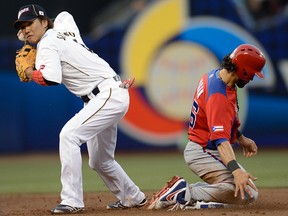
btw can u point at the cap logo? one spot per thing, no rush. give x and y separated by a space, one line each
41 13
22 11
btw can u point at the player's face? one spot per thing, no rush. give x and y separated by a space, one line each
34 30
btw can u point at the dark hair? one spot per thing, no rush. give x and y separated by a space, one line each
50 22
228 65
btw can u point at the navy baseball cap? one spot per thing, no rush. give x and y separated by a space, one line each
29 13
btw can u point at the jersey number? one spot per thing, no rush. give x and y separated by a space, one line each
193 116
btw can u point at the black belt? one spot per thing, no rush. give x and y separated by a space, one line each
96 90
86 99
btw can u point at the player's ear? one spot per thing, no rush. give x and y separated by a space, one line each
44 23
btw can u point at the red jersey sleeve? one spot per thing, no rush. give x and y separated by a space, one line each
220 117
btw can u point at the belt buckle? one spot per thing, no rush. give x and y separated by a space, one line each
117 78
86 98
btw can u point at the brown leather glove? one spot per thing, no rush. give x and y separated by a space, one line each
25 57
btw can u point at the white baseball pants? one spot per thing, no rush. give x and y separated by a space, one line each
96 125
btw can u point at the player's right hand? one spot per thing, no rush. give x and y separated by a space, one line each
127 83
242 180
20 36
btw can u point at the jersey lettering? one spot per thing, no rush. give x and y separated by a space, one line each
193 116
200 88
195 106
63 35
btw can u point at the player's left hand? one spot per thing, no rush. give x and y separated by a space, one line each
249 146
25 58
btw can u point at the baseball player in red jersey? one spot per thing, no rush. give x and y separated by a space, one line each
62 57
213 129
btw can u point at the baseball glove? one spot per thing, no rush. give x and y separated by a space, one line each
25 57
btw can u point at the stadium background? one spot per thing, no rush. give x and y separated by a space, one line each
32 116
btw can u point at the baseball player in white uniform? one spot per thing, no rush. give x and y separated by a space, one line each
62 57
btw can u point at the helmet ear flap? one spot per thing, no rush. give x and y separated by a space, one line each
244 72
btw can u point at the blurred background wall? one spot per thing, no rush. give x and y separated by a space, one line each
166 45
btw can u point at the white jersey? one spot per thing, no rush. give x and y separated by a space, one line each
62 57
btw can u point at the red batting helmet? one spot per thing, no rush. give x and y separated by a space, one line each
249 61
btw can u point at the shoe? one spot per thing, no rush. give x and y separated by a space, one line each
119 205
173 192
201 205
66 209
210 205
116 205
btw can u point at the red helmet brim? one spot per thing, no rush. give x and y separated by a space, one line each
260 75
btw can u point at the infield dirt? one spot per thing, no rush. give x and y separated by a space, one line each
270 202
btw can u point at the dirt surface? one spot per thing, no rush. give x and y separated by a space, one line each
270 202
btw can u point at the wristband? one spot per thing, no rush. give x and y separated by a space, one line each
238 134
232 165
38 78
